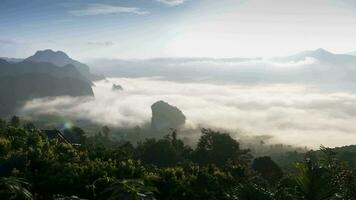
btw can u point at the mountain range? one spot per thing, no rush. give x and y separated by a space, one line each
54 73
45 74
317 66
353 53
12 60
321 55
60 59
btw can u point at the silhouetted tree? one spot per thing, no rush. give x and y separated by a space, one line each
164 152
219 148
75 135
2 123
29 126
15 121
14 188
313 182
106 131
267 168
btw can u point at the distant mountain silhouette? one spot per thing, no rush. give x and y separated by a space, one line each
321 55
327 68
27 80
30 67
321 67
353 53
12 60
59 58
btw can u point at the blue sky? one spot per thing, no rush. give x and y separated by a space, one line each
80 24
168 28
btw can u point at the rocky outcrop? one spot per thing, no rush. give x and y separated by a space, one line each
166 116
117 87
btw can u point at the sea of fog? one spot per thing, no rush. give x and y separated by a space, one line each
303 115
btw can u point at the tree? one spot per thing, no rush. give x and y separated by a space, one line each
158 152
107 169
219 148
106 131
313 182
250 191
14 188
29 126
2 123
5 146
130 189
15 121
164 152
61 197
341 177
75 135
267 168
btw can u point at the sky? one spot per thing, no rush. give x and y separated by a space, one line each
87 29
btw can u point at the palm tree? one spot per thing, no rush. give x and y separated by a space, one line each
313 182
131 190
61 197
250 191
13 188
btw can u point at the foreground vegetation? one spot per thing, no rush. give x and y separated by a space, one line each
32 166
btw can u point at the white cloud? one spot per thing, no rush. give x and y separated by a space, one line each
290 113
99 43
233 69
172 2
104 9
8 42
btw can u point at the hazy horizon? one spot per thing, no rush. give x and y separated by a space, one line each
176 28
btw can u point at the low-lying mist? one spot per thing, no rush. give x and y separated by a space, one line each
311 67
302 115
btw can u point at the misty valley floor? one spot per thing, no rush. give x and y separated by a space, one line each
302 115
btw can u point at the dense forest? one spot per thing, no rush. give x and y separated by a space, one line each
34 165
